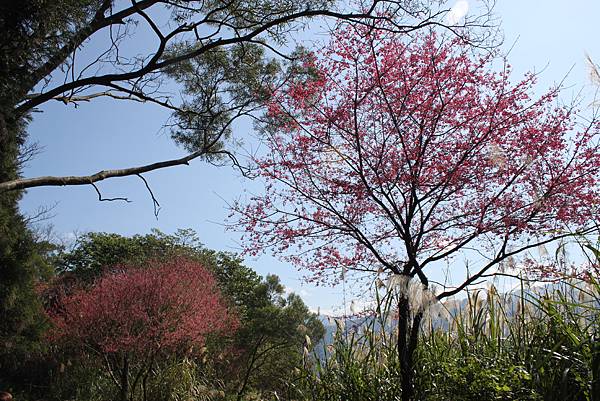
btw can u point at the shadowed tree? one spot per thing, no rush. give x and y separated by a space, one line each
274 334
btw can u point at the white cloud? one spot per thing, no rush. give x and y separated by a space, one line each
302 292
457 12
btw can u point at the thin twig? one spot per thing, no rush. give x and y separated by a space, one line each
154 201
101 199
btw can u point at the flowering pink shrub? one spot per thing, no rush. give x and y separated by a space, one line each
165 306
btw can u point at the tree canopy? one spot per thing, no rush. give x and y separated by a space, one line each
208 62
134 316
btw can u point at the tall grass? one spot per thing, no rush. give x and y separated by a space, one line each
360 364
530 344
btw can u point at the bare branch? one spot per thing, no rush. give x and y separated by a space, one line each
99 176
156 64
102 199
155 203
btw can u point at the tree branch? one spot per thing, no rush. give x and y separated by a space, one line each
99 176
154 201
101 199
155 64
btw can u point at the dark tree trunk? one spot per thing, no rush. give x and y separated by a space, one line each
408 336
249 368
124 393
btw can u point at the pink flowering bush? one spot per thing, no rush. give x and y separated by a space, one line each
132 316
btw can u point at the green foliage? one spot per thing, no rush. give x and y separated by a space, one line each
520 346
182 380
448 374
563 350
23 263
360 364
273 339
536 344
93 252
204 121
32 34
274 328
175 379
485 379
70 377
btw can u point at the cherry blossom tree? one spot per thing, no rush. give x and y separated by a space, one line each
391 154
133 315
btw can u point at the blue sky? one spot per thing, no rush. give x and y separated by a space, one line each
550 35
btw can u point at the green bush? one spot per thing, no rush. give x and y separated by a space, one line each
462 377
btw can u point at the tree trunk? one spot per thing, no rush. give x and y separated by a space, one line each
408 336
124 391
240 393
